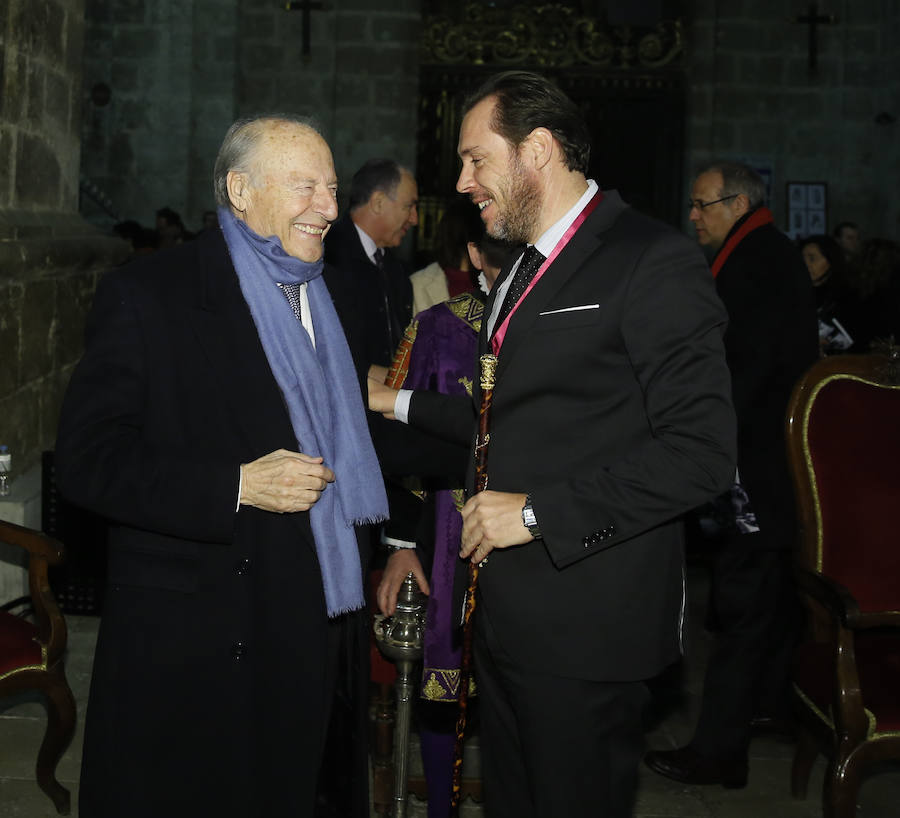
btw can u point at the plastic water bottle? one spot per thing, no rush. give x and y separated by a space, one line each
5 468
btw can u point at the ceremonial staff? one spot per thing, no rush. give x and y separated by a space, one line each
488 370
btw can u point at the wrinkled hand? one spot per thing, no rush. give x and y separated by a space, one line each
492 519
399 564
381 397
284 481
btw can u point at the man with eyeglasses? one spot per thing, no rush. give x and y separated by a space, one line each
770 341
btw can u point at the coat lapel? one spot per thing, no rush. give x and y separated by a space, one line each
587 241
225 330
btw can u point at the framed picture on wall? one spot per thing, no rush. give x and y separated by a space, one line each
807 206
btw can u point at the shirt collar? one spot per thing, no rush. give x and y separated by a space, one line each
368 243
549 239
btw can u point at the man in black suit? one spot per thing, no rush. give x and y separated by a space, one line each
383 201
216 420
611 419
772 338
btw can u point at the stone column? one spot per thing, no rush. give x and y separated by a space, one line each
50 258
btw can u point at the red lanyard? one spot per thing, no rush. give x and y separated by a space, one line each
500 332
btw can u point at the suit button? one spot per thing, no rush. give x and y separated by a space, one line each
242 567
238 650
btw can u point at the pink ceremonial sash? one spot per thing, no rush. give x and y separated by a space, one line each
500 332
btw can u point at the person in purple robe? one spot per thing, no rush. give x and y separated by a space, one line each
439 353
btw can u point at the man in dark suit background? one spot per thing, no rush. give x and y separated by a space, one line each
772 338
216 420
611 418
383 200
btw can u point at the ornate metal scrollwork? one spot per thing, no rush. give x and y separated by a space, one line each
550 36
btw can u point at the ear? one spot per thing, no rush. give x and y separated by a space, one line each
539 146
741 205
474 255
376 201
238 187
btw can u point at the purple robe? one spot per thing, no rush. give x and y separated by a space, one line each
442 359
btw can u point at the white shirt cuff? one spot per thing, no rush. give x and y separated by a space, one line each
393 542
401 405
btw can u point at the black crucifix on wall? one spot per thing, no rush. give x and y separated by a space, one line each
306 6
813 19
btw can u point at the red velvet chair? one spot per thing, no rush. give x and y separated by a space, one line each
31 656
844 450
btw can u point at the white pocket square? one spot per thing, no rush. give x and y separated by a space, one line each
572 309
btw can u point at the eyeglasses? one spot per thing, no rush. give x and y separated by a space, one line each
701 205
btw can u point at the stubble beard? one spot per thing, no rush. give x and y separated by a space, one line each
516 223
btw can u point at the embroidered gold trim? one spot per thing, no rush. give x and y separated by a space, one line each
442 685
467 309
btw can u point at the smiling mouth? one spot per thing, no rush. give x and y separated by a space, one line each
311 229
484 203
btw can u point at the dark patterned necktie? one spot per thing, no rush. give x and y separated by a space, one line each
292 293
392 324
532 259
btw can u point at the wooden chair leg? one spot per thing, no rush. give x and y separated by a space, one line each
383 749
842 781
804 757
59 732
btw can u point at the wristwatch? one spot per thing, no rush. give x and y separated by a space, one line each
528 518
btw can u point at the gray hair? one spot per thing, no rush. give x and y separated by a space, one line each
239 146
738 179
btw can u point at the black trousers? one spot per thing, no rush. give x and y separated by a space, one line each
754 605
554 747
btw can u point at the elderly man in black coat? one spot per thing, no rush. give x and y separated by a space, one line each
772 338
216 419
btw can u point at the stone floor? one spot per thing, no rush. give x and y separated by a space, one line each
766 796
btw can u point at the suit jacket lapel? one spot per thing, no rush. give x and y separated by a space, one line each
225 330
587 241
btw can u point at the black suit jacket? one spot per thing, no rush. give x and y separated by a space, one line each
209 610
381 302
612 408
772 339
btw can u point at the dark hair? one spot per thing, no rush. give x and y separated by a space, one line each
840 228
737 179
495 252
459 225
239 146
829 248
376 174
170 216
525 101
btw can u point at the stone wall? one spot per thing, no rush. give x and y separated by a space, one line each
179 73
49 257
752 97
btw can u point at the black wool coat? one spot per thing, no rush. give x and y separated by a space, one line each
216 662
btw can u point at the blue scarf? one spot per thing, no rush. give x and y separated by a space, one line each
323 399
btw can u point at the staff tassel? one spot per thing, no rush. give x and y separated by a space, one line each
488 370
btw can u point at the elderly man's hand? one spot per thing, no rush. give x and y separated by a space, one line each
399 564
284 481
381 397
492 519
